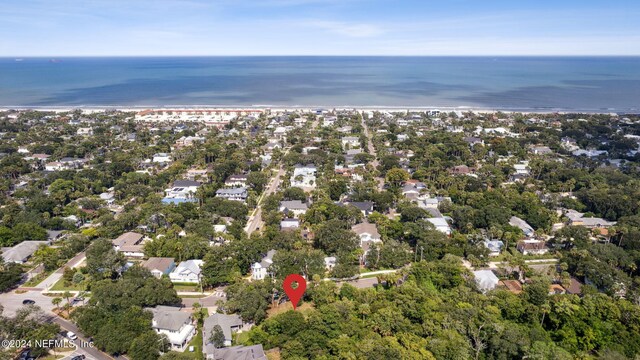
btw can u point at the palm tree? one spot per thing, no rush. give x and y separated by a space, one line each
56 302
67 295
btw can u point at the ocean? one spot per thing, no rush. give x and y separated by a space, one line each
591 84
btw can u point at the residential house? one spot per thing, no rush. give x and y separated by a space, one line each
229 325
84 131
577 219
289 224
556 289
176 325
460 170
366 207
532 247
304 176
161 158
55 166
433 203
368 234
440 224
187 272
236 181
234 194
260 270
350 142
494 246
293 207
527 230
330 262
252 352
21 252
473 141
181 191
108 197
486 280
540 150
197 174
130 244
159 266
513 286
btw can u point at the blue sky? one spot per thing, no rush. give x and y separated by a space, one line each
318 27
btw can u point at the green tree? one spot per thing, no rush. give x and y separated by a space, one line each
217 337
395 177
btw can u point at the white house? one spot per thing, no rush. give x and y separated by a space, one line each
84 131
368 234
236 180
181 191
161 158
289 224
486 280
187 272
55 166
494 246
440 224
234 194
260 270
295 207
304 176
175 324
350 142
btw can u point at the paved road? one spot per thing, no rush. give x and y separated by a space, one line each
371 150
255 221
82 342
209 301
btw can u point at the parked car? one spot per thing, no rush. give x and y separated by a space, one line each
78 357
28 302
71 335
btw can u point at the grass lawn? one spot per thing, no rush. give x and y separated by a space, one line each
186 287
59 286
240 338
287 306
196 342
193 296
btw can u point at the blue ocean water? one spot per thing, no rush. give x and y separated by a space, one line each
509 83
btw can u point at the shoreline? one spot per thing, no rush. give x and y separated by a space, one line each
313 108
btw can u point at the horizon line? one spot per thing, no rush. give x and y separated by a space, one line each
315 55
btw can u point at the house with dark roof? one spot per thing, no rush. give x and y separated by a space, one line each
229 324
366 207
293 207
252 352
21 252
532 247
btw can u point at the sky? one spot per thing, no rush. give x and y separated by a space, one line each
318 27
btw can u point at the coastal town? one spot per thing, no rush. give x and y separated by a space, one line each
422 234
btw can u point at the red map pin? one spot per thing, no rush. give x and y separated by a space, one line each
295 294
